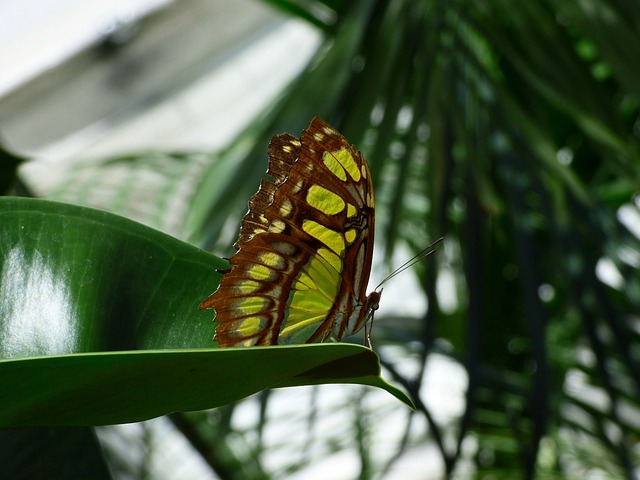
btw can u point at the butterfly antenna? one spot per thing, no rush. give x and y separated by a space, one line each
421 255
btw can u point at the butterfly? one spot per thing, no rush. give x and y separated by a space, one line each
305 247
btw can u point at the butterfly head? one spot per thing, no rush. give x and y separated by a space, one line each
373 301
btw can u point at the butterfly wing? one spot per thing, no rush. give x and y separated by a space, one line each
304 249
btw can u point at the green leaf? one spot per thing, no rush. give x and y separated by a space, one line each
79 280
121 387
81 288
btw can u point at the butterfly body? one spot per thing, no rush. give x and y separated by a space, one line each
304 249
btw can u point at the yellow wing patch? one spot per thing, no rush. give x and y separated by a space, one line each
260 272
313 295
330 238
272 259
346 161
325 200
332 163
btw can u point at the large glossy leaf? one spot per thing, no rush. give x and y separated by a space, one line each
93 310
120 387
81 280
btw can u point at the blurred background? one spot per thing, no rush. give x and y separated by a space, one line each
510 128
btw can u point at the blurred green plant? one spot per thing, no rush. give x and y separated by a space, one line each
512 130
